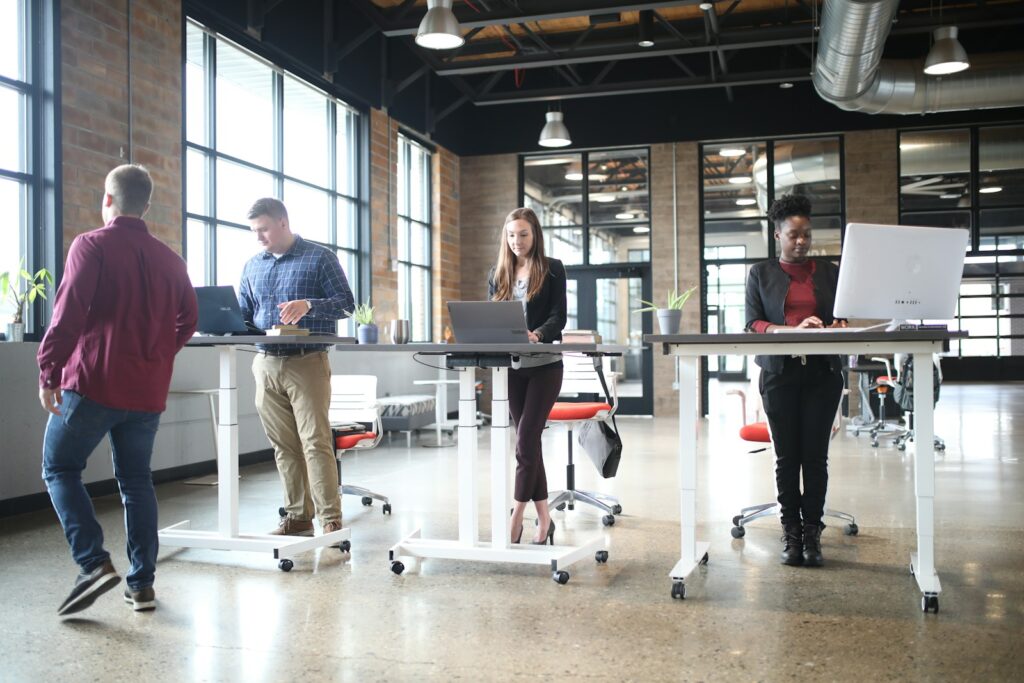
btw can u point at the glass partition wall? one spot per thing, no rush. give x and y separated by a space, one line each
594 207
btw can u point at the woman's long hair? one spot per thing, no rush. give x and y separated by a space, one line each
505 270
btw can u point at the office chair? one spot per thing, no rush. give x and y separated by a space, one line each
884 385
905 381
758 433
580 377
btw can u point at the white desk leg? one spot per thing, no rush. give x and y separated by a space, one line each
499 459
440 410
922 563
227 445
692 553
467 457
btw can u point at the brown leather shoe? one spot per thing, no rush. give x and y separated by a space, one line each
292 527
331 527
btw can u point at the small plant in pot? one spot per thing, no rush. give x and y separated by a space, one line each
21 287
671 315
366 333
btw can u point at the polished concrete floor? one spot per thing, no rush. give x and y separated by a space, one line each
235 617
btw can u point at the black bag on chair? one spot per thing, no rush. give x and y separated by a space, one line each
600 441
904 390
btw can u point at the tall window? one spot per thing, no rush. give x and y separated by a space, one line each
254 131
973 179
414 237
17 178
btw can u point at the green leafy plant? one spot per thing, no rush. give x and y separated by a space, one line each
363 314
674 301
21 287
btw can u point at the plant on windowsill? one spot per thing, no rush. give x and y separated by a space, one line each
671 315
21 287
366 333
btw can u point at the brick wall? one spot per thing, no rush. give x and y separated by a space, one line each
447 252
489 191
872 188
95 108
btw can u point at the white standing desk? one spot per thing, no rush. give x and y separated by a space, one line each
498 357
227 535
920 343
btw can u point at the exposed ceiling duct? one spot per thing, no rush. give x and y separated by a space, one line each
850 73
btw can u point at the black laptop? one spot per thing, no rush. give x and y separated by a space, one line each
219 312
488 322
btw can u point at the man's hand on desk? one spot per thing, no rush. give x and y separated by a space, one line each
293 311
51 399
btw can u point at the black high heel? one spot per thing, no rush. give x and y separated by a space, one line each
520 536
550 537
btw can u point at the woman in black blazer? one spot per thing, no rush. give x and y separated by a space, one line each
524 273
800 393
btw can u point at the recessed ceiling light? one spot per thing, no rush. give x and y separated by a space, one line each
641 229
624 188
624 216
574 175
598 177
747 201
785 85
705 6
992 189
741 179
731 152
949 195
548 161
603 197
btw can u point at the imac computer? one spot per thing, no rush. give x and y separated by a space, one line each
900 272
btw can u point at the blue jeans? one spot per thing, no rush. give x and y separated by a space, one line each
69 440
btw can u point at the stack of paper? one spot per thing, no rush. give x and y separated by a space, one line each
287 330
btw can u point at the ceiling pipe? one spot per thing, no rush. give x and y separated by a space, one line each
850 73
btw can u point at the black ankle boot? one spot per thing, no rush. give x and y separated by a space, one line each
812 545
792 540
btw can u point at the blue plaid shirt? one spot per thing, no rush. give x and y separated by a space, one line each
306 271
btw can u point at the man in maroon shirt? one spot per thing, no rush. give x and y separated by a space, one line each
124 309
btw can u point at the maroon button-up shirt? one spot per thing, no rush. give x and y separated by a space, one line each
123 310
801 303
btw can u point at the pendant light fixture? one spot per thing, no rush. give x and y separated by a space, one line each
554 133
947 55
439 29
645 28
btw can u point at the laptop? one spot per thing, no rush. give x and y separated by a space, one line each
219 312
488 322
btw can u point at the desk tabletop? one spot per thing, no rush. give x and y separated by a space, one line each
270 340
805 343
349 345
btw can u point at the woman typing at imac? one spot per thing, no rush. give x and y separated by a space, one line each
800 393
524 273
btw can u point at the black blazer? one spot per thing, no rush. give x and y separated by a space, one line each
767 286
545 313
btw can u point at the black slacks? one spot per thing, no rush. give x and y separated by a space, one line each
531 393
801 404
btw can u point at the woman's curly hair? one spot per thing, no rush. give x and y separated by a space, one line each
789 205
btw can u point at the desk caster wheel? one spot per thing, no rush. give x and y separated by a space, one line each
940 447
930 603
285 565
560 577
678 590
851 529
704 560
738 532
387 508
601 556
901 447
874 444
736 520
856 432
345 546
560 507
367 501
616 509
608 520
397 567
910 568
281 512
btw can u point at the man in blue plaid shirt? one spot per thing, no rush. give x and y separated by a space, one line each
298 283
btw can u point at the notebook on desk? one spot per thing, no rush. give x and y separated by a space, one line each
488 322
839 330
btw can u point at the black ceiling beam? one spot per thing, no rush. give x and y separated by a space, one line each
638 87
712 20
256 12
529 10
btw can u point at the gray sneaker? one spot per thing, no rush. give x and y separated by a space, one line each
88 587
141 600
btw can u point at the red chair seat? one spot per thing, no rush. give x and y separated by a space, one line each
346 441
576 411
756 431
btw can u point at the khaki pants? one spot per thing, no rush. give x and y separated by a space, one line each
292 397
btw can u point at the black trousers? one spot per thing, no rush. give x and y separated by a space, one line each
531 393
801 404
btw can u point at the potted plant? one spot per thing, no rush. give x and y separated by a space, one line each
21 287
671 315
366 333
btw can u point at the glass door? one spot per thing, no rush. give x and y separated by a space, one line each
604 300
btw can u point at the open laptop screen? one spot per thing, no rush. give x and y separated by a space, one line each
488 322
218 311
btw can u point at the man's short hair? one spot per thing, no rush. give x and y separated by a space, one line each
131 186
268 206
